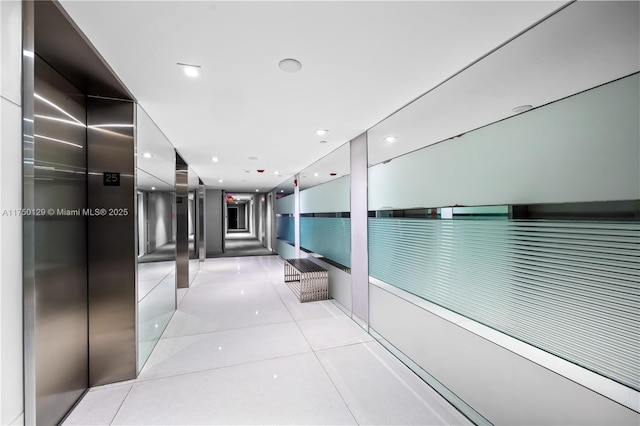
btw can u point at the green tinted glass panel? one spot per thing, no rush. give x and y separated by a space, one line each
327 236
570 288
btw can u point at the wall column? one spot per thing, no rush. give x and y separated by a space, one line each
359 236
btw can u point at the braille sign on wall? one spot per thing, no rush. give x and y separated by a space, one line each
111 179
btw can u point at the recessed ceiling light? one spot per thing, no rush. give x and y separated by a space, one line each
253 158
147 155
257 190
315 174
390 139
321 132
276 172
282 190
522 108
214 159
192 71
290 65
153 188
220 180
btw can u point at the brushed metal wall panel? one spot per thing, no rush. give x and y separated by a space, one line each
112 242
28 240
182 223
202 252
60 340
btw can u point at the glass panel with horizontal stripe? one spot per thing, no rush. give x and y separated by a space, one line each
571 288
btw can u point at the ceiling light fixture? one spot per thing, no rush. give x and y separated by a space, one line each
147 155
522 108
282 190
214 159
315 174
220 180
390 139
290 65
257 190
192 71
276 172
321 132
153 188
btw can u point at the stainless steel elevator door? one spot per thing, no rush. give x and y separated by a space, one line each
61 317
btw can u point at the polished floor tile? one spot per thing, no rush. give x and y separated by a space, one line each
241 349
227 306
292 390
179 355
305 311
324 333
99 406
380 390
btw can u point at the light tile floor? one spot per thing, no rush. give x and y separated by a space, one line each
241 349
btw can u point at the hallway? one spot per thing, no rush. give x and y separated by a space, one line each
241 349
242 243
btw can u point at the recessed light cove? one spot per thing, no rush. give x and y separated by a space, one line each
191 71
522 108
290 65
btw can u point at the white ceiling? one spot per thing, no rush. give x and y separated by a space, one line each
361 61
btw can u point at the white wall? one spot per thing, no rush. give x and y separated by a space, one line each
11 370
329 197
583 148
505 388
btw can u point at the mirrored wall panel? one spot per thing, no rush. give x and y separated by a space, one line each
156 207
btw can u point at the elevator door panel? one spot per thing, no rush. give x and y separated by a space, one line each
61 321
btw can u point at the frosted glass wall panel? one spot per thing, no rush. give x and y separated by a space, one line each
570 288
156 307
583 148
285 228
285 205
285 250
328 197
327 236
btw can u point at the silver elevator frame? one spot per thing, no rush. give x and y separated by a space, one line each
107 351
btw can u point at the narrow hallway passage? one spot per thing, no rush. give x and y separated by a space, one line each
241 349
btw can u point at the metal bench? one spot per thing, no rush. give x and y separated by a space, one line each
307 280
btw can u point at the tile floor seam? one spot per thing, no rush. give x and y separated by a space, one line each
220 331
121 404
186 373
321 364
156 286
229 329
